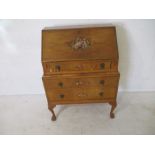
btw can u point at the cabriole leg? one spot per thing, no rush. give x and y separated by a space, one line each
53 114
113 106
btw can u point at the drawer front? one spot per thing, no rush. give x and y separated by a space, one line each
93 93
84 88
73 44
79 82
77 66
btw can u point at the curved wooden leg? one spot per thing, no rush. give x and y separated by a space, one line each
113 106
53 114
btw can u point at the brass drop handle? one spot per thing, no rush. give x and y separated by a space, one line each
58 68
102 82
102 65
60 84
61 96
101 93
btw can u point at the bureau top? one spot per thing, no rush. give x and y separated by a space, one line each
79 27
79 42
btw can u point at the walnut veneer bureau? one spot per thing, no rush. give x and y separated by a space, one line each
80 65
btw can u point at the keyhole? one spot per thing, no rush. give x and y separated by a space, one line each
102 66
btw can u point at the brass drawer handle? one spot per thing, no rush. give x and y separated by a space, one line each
102 82
102 65
101 93
60 84
58 68
61 96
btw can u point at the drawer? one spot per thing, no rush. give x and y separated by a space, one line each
98 86
61 82
93 93
79 44
77 66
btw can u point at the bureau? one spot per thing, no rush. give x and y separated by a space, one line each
80 65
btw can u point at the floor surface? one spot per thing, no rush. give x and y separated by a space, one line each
28 114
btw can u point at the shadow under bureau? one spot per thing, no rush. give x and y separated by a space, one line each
80 65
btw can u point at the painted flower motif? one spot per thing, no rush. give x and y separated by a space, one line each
80 43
